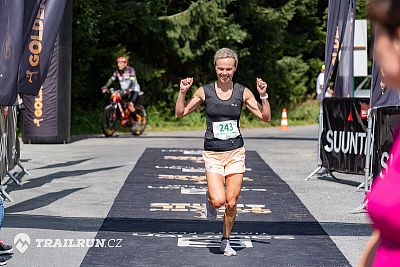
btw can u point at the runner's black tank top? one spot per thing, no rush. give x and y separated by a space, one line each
218 110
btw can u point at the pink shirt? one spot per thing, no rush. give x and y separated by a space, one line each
384 211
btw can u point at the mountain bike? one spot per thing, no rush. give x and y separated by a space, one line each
117 113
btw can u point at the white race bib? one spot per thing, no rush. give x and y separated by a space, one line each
225 130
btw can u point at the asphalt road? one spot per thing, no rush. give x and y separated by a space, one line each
74 187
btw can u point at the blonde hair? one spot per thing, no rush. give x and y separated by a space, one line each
226 53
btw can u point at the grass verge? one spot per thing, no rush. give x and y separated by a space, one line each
163 120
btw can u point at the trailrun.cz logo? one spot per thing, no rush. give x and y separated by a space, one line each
22 242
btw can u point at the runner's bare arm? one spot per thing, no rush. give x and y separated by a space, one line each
198 98
263 112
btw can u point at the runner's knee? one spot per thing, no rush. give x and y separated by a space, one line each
231 204
218 202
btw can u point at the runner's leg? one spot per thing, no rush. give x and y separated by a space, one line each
233 186
216 191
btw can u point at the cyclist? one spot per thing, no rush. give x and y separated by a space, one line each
126 76
130 87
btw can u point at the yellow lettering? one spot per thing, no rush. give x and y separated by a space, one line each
38 112
36 122
34 60
38 105
35 47
37 25
40 14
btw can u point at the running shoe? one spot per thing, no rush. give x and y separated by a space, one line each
5 249
3 261
226 248
211 212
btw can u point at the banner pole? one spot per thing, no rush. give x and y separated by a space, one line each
370 142
319 162
368 160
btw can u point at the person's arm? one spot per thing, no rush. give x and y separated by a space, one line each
367 258
113 78
132 78
181 110
263 112
104 89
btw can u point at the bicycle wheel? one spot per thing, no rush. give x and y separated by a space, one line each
110 121
140 125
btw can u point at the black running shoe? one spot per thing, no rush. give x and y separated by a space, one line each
5 249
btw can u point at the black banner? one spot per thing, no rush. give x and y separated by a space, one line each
47 115
344 75
39 37
385 129
11 32
381 95
40 115
344 135
340 14
12 138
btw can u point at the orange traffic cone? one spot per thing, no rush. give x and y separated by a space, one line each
284 120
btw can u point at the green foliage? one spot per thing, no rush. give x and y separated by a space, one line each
291 86
281 41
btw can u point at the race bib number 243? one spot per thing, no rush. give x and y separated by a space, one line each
225 130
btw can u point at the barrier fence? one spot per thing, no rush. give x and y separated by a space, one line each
9 149
342 138
355 139
384 128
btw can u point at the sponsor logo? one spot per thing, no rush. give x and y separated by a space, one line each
38 105
335 47
212 242
193 190
22 242
78 243
350 117
29 75
213 239
35 44
386 159
184 151
200 208
191 158
197 179
346 142
364 111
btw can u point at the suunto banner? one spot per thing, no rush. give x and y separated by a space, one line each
385 129
40 34
344 134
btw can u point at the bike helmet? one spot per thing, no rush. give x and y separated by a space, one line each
123 59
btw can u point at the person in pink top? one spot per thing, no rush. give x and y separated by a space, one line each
383 248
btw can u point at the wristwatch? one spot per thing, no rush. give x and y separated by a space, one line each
264 97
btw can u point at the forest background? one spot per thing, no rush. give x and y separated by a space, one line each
281 41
